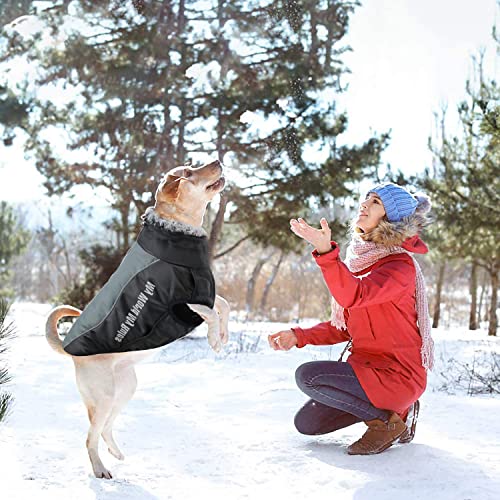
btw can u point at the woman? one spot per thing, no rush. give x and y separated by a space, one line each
379 306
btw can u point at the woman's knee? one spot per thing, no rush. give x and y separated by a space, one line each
303 374
304 424
315 418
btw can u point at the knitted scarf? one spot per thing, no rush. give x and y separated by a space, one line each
361 255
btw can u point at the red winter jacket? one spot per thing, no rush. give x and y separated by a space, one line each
381 319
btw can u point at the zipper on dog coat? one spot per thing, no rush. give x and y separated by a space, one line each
143 304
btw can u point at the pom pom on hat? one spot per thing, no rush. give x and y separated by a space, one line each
424 203
398 202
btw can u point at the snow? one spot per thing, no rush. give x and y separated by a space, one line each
210 426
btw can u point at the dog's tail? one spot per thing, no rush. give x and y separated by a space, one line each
51 333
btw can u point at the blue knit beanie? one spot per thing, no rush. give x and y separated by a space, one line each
398 202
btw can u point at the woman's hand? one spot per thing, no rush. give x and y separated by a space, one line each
320 238
282 341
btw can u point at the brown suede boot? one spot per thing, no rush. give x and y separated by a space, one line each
379 436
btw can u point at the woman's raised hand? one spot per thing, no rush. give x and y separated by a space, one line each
320 238
282 341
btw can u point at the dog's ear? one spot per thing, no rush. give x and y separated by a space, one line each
169 188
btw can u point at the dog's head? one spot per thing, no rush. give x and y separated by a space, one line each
188 190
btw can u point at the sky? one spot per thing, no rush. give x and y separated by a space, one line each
409 58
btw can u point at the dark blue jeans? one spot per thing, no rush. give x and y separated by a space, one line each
337 398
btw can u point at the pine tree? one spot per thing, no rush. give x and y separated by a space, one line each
6 333
13 240
100 263
139 110
13 110
292 62
466 182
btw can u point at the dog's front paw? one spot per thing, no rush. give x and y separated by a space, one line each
215 342
116 453
224 336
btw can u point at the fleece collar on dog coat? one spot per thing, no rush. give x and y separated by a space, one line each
143 304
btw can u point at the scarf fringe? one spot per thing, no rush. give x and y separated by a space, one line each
361 255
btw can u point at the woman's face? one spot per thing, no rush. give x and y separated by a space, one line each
371 212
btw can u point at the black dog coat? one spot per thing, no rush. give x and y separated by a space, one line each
143 304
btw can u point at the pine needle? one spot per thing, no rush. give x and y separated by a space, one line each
6 330
5 405
6 333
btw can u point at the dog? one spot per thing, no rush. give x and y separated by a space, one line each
116 331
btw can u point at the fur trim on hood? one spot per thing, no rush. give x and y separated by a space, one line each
389 234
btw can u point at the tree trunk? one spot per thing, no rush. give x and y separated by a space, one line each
473 324
269 283
117 238
437 300
492 326
165 151
181 24
68 275
250 298
216 228
125 230
484 286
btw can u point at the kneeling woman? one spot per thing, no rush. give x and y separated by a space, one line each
379 306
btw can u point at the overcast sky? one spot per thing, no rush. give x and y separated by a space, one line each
409 57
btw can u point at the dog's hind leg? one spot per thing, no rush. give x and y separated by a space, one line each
212 319
125 386
96 385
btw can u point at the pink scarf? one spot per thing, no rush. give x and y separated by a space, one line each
361 255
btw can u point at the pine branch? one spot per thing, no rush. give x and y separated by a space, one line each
6 332
232 247
5 378
5 405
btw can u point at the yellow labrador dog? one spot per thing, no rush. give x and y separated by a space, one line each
162 290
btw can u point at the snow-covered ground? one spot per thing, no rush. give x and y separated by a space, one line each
205 426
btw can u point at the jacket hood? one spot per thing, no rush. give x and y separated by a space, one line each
404 233
415 245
